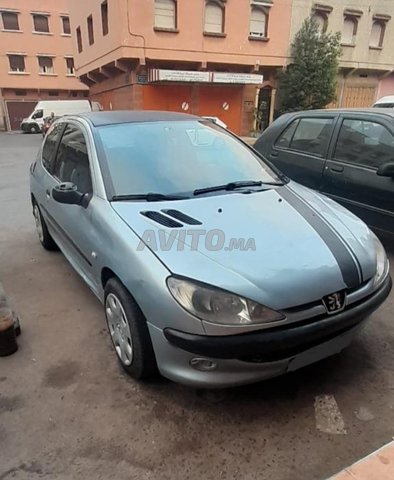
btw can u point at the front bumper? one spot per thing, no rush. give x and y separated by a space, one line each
250 357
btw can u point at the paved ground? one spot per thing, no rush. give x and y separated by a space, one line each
68 412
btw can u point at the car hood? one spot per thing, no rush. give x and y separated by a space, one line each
298 246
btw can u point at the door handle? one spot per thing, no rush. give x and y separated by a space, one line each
48 193
274 154
337 169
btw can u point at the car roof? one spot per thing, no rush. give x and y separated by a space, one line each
386 99
99 119
375 111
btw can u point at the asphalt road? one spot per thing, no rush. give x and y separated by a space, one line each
67 411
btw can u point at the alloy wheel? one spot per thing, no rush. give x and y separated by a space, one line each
119 329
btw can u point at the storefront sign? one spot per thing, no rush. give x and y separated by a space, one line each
183 76
158 75
239 78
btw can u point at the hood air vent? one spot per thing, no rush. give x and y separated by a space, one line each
162 219
182 217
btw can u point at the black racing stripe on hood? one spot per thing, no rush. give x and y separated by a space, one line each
346 262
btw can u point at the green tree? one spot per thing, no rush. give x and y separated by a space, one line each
310 80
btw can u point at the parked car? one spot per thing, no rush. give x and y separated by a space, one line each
211 266
345 154
385 102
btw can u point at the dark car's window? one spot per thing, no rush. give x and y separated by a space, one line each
286 137
312 135
364 143
177 156
48 150
72 161
384 105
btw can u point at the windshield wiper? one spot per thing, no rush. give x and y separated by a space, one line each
233 186
148 197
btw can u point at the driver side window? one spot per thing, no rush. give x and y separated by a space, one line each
72 162
38 114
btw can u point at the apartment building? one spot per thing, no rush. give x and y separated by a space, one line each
367 29
36 57
207 57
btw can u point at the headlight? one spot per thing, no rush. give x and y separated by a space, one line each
218 306
382 263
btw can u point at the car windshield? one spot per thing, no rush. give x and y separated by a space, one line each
177 157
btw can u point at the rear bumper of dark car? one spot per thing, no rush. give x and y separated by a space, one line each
282 342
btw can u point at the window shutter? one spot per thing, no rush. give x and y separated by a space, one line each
376 35
17 63
70 66
165 13
213 18
66 25
45 64
320 21
258 23
10 21
41 23
348 31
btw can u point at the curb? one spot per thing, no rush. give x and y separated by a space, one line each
379 465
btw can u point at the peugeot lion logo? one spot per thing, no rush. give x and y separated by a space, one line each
334 302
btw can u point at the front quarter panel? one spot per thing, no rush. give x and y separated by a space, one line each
142 273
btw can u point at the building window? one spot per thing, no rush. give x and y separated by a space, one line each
258 22
45 65
214 17
17 63
10 21
66 26
53 93
321 21
20 93
165 14
90 30
70 66
41 23
377 34
104 17
349 31
79 39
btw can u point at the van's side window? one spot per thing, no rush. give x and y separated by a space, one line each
285 139
312 135
365 143
48 150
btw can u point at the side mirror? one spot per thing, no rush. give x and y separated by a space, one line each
386 170
68 194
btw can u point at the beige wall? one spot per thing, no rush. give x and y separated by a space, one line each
131 35
360 56
32 44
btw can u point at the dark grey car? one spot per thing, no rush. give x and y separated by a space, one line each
345 154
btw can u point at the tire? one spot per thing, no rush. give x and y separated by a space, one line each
34 129
42 230
129 332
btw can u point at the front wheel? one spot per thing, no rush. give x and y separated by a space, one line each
34 129
129 332
42 230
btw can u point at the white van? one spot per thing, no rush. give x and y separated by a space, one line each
34 122
385 102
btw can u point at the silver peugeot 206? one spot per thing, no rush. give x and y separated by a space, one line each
214 269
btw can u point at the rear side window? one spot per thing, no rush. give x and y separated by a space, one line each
365 143
285 139
312 135
308 135
72 163
48 150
